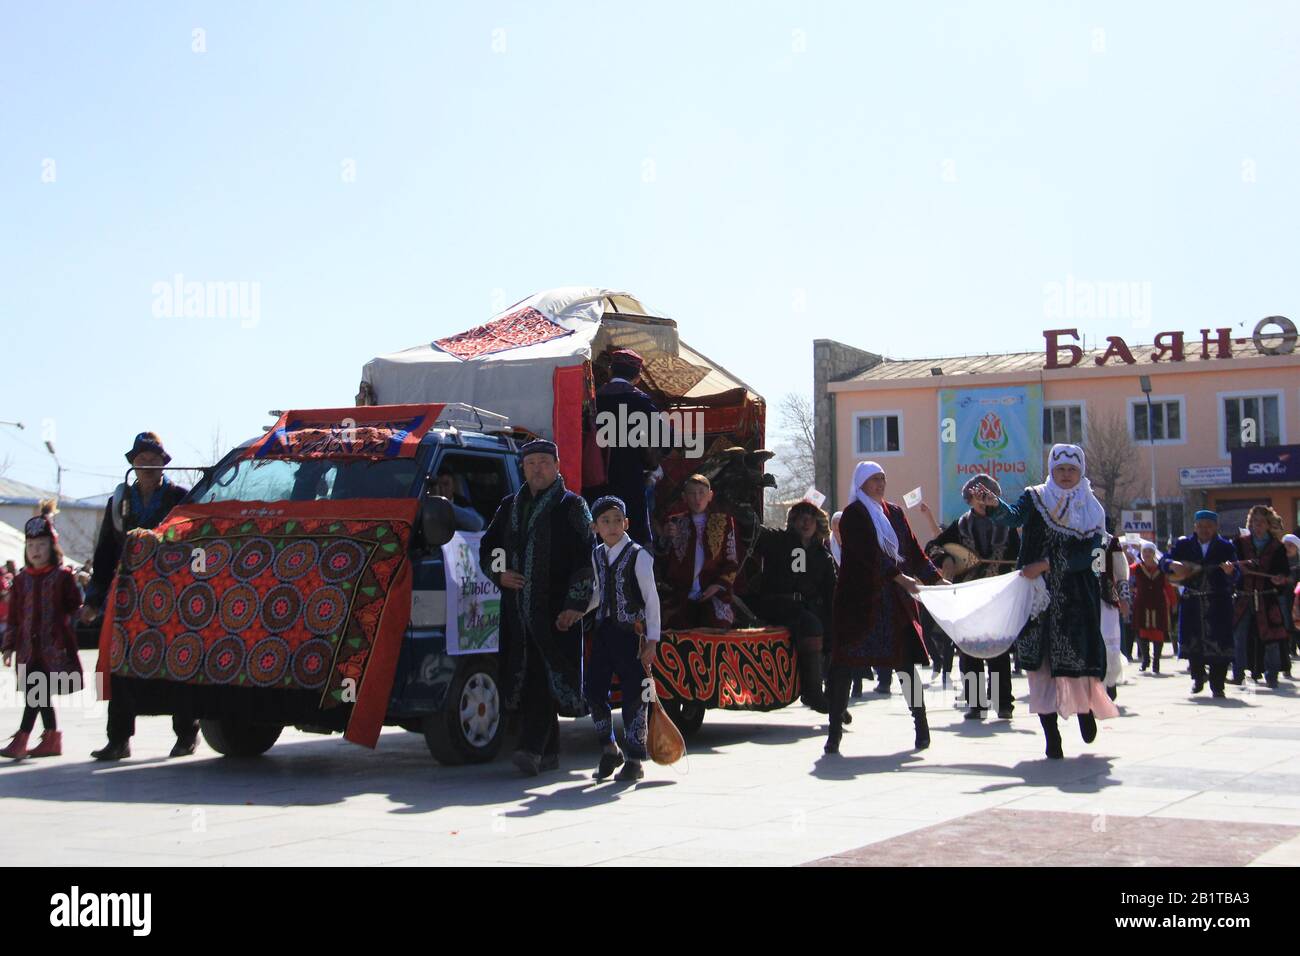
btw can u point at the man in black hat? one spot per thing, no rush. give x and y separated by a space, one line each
630 460
142 504
991 543
538 551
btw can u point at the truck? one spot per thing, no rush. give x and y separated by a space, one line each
318 477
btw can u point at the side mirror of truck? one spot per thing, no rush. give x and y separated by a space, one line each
437 522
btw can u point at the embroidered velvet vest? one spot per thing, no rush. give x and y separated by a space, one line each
620 592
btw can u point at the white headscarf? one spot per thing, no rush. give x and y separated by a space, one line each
1076 512
885 535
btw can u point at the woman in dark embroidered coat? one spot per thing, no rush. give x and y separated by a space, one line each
874 619
1062 649
538 551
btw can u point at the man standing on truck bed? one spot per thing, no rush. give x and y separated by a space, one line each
146 503
630 467
538 551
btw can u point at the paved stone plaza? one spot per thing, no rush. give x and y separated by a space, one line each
1172 781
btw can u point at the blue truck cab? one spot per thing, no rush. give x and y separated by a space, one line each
452 700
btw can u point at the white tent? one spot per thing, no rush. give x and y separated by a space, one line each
518 381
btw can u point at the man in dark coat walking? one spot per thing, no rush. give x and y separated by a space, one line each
143 504
538 551
1201 562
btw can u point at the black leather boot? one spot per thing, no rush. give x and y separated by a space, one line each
810 675
922 725
1088 727
1053 735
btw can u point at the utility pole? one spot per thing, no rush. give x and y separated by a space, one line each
58 487
1145 382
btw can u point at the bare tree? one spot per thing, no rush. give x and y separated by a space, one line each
1113 465
795 453
794 465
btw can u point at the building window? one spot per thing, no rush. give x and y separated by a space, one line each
1165 424
1255 418
1171 521
879 434
1063 423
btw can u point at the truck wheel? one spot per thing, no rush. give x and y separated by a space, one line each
234 739
469 727
687 715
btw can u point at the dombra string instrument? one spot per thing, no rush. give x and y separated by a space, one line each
964 559
1193 569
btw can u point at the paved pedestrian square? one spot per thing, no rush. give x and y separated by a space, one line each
1175 780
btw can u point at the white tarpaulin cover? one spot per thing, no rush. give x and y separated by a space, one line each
517 382
984 617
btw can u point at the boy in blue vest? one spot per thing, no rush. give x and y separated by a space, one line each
626 638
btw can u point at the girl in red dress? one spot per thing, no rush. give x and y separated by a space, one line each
40 635
1153 596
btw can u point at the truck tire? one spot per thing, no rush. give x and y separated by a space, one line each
234 739
688 716
470 727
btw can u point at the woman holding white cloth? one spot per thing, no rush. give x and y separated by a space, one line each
874 620
1062 649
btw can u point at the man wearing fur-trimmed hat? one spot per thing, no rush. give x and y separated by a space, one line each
141 504
996 547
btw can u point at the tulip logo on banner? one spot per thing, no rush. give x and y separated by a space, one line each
989 431
990 437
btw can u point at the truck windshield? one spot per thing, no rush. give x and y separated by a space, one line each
317 479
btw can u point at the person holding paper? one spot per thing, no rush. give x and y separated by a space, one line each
990 543
874 620
1062 648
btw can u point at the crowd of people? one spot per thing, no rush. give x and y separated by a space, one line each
845 586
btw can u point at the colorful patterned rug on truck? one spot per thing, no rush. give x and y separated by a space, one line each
273 596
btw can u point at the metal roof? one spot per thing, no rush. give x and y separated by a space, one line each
1001 363
18 493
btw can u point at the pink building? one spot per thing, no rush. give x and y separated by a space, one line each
1217 403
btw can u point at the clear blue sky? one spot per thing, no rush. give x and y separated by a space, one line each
912 174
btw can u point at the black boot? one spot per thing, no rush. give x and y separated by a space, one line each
810 675
922 725
1053 735
113 750
1088 727
839 698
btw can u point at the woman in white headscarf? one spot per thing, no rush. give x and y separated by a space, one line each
874 620
1062 524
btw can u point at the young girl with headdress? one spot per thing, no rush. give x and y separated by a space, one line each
1153 599
1062 649
40 635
